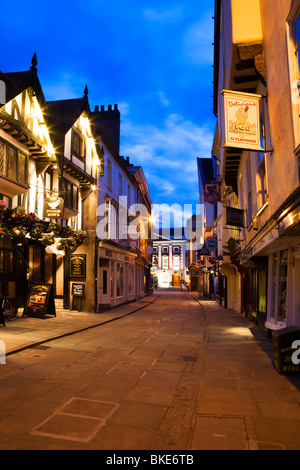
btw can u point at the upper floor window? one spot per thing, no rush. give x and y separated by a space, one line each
78 145
109 173
120 185
293 37
13 163
71 194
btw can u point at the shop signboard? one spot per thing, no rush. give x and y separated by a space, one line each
54 207
242 120
234 217
78 290
212 192
78 294
211 243
204 251
286 352
40 301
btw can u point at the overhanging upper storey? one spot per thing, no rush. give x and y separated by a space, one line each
239 50
238 67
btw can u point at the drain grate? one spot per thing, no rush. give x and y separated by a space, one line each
187 359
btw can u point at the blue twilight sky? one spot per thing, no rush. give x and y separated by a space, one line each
152 58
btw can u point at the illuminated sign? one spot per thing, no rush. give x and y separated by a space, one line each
54 208
242 120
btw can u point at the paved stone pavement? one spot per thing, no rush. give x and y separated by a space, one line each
203 380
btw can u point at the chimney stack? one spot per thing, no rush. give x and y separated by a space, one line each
107 124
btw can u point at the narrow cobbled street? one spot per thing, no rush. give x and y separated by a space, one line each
180 374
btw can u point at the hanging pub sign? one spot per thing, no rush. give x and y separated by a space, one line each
242 120
40 301
212 193
234 217
54 207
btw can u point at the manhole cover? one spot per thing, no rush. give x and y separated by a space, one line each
187 359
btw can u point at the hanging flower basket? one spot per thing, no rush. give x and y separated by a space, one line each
54 227
17 233
4 235
48 240
30 220
72 243
61 245
36 233
80 236
18 213
66 232
2 206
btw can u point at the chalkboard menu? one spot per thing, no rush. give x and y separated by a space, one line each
286 357
40 301
78 266
78 294
78 290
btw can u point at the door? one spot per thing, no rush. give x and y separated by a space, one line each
104 289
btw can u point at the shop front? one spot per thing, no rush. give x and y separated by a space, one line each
117 278
274 262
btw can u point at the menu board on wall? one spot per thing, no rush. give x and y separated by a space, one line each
40 301
78 266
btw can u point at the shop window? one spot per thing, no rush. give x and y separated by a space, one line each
130 280
274 286
120 274
262 291
254 291
279 287
282 292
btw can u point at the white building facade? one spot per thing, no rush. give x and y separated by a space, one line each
120 264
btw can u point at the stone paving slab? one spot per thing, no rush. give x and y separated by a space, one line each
25 332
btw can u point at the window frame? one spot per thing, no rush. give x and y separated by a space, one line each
294 66
18 152
81 155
